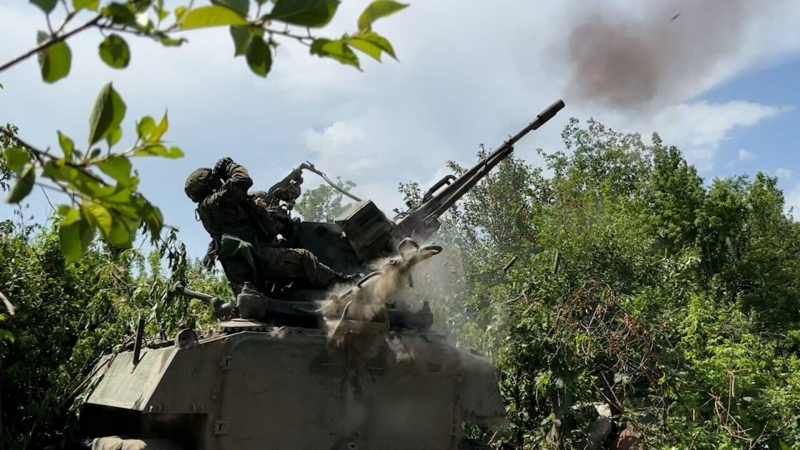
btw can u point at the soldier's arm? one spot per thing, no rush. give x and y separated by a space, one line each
236 183
287 189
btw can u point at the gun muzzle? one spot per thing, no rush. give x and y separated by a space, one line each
221 308
551 111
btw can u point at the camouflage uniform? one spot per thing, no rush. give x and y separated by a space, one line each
245 234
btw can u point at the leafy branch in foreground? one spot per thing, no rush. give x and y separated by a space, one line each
109 203
255 31
112 204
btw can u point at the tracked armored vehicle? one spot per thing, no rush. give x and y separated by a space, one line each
299 369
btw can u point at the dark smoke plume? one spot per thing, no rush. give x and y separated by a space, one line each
625 60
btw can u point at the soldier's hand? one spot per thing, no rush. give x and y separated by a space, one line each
221 168
297 175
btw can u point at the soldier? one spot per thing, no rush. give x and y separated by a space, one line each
245 234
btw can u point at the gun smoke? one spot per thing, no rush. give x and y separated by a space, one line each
357 306
349 310
662 55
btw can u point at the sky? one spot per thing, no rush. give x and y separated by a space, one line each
718 81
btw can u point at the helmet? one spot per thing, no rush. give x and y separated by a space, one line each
198 184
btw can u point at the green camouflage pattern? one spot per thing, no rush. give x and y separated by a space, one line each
247 234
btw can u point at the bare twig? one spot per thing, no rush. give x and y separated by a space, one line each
47 198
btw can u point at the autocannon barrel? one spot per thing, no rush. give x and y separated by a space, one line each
221 308
422 221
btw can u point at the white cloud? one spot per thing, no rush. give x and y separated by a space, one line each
698 128
783 174
744 155
334 140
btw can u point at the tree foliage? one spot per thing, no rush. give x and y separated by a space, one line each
68 313
623 279
324 203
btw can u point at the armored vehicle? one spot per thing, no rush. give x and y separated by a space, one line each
297 369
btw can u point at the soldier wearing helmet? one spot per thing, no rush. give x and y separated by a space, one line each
244 234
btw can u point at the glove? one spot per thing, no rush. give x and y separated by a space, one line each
221 168
297 176
210 259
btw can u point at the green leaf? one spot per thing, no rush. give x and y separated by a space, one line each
107 114
114 51
58 170
16 158
159 130
179 12
88 4
259 56
241 37
67 146
145 127
113 137
159 8
159 150
98 216
784 446
210 16
75 234
377 10
372 44
240 6
68 215
117 167
6 336
337 50
308 13
168 41
120 14
151 216
123 231
55 60
23 186
46 5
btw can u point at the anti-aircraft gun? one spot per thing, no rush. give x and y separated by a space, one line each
274 377
365 233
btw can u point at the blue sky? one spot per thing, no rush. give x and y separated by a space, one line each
470 72
773 144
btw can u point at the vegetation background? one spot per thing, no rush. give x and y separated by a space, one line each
634 283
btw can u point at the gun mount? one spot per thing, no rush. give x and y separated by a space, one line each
365 233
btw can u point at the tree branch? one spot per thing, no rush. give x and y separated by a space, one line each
50 42
39 154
